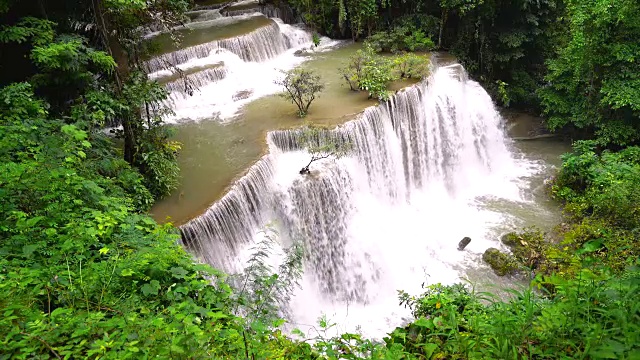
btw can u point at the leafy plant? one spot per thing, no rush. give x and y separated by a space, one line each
316 39
321 144
410 65
368 71
301 88
401 38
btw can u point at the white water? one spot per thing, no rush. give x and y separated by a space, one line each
251 63
386 218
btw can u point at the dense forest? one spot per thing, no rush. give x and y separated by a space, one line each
86 273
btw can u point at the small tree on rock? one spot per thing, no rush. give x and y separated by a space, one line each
301 88
321 145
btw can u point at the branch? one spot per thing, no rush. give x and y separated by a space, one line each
43 343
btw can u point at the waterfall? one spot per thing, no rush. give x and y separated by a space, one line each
420 158
231 221
259 45
186 84
281 12
203 15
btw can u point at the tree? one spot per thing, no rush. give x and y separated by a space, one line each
322 144
368 71
85 63
594 81
301 88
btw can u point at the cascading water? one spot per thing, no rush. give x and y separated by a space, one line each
188 84
386 217
259 45
246 67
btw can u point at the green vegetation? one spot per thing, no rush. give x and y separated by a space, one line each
301 88
84 273
401 38
371 72
320 144
411 66
594 82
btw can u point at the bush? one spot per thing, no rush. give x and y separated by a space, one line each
603 185
370 72
401 38
301 88
410 66
453 322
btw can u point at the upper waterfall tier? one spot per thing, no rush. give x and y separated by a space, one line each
261 44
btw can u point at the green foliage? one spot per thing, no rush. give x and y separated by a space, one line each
604 185
594 82
316 39
401 38
601 195
301 88
82 274
40 31
411 66
456 323
322 144
370 72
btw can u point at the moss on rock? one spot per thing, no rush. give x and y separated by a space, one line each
501 263
528 247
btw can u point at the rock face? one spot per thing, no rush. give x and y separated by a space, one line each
501 263
463 243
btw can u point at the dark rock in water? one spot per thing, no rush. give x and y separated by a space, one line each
463 243
501 263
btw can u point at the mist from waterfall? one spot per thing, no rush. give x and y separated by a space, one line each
388 216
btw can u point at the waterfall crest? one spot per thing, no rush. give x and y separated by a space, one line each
185 85
232 221
259 45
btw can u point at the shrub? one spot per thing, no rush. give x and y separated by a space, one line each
401 38
370 72
410 65
602 185
301 88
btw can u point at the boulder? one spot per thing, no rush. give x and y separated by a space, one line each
501 263
511 240
528 247
463 243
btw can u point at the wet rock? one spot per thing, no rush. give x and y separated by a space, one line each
463 243
501 263
302 52
241 95
511 240
528 247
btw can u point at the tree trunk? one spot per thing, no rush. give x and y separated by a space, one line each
443 20
119 54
